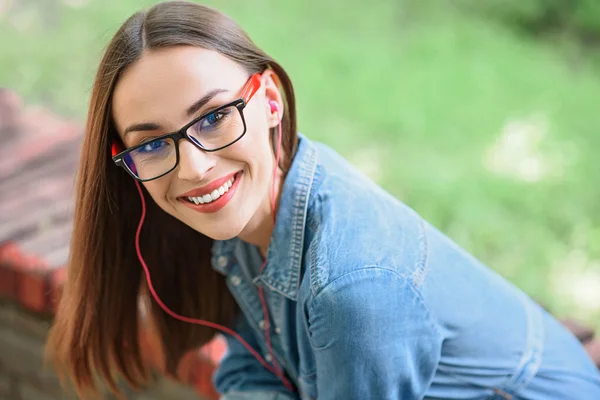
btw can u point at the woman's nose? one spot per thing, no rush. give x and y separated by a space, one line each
194 163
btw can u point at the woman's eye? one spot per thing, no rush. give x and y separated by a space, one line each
153 146
211 120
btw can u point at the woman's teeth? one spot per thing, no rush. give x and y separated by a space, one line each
214 195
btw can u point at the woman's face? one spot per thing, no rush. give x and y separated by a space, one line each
158 89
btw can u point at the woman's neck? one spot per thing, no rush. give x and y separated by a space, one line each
259 229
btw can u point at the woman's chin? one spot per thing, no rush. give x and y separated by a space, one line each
219 233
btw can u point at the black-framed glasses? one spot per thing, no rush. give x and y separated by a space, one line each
212 131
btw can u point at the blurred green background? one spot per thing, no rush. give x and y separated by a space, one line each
482 115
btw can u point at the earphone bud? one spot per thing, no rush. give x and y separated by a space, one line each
274 106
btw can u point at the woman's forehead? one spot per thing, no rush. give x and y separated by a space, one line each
163 84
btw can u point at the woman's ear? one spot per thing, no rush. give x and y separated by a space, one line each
272 94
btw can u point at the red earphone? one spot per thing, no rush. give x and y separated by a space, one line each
274 106
276 369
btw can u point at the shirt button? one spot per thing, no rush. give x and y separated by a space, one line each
235 280
268 358
278 330
222 261
261 324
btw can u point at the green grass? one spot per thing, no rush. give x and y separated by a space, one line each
415 93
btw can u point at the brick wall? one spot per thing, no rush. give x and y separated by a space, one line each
36 203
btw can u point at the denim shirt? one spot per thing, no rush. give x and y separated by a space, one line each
369 301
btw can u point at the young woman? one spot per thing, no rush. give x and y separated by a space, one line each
195 187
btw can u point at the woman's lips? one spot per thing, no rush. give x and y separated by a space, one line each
210 187
214 205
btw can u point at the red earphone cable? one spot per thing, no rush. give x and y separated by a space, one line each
276 369
260 289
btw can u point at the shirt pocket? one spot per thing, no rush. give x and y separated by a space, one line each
308 386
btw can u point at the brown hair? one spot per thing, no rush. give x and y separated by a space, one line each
97 324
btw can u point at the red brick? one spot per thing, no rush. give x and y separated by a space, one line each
8 281
33 286
9 252
25 277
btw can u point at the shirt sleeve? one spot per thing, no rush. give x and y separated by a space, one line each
240 375
373 338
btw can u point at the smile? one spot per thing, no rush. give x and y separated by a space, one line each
214 196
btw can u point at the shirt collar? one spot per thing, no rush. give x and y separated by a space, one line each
284 255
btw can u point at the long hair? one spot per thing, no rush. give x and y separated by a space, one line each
97 324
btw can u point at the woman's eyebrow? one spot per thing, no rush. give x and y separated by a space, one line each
145 126
193 109
202 102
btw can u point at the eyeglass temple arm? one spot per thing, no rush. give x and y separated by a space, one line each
251 87
115 147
